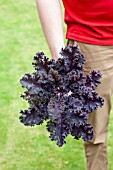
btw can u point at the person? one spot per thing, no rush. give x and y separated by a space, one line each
90 26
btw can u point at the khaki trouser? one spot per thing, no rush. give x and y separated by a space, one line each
98 58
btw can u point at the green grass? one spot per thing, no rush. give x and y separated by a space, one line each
26 148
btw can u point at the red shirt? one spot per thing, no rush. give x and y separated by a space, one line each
89 21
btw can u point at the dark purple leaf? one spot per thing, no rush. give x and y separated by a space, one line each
60 92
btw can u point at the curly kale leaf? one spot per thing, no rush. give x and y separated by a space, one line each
33 116
59 92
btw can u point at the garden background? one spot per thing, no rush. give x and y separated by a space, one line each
29 148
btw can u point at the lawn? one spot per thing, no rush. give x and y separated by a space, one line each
29 148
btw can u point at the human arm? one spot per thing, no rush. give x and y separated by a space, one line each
50 15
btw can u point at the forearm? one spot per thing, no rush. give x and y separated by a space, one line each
50 15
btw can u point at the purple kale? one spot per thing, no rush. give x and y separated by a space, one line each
60 92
